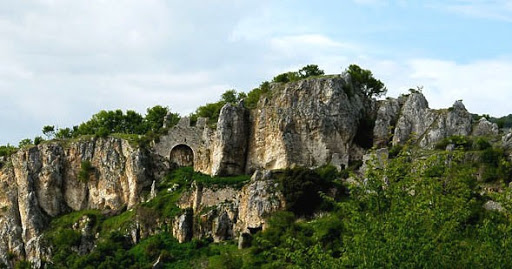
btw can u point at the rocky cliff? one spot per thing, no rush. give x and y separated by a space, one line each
307 123
226 213
42 182
409 117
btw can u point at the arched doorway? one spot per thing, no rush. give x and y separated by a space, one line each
182 155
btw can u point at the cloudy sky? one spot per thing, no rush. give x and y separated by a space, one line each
63 61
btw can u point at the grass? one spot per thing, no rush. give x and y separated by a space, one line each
186 175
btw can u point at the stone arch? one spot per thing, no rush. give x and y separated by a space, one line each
182 155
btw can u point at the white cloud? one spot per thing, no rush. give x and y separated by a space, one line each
495 9
62 61
484 86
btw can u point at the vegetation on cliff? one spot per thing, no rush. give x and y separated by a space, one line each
424 208
446 206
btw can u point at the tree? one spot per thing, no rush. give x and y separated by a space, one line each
64 133
286 77
155 116
310 70
25 142
49 131
229 96
38 140
364 80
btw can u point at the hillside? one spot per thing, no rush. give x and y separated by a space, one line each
308 171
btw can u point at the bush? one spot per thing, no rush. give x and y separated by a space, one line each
301 188
86 169
307 71
364 80
38 140
481 144
459 141
7 150
254 96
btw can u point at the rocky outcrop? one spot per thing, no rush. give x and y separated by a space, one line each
428 126
387 116
310 122
225 213
42 182
485 127
230 146
306 123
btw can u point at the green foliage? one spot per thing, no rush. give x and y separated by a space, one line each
481 144
38 140
186 175
425 210
395 150
212 110
105 123
155 118
310 70
417 221
49 131
64 133
86 169
307 71
254 96
7 150
363 79
23 265
495 166
286 77
459 141
25 142
302 188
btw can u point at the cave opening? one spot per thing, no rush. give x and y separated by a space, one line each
182 155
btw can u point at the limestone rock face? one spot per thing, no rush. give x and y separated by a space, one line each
428 126
257 199
224 213
485 127
307 123
387 116
182 227
42 182
230 146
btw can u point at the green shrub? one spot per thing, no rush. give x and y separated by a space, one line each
395 150
459 141
7 150
86 169
254 96
495 166
301 188
481 144
363 79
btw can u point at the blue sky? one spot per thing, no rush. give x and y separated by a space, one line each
62 61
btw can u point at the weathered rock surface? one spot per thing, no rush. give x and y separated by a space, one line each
224 213
387 116
230 146
42 182
428 126
485 127
306 123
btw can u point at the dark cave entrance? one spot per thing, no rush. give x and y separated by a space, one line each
182 155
